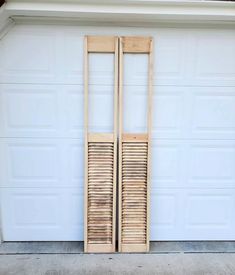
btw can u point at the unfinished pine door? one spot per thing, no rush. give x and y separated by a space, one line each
134 161
100 161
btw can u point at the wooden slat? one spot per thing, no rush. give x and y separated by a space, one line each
134 192
100 193
101 44
136 44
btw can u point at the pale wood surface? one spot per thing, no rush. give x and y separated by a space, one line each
136 44
100 164
100 194
101 44
134 163
85 140
135 137
120 114
150 111
96 248
128 248
100 137
115 133
134 194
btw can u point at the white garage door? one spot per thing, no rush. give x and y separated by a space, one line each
41 130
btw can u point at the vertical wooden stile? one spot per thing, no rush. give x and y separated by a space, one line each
134 161
120 99
150 111
100 162
86 70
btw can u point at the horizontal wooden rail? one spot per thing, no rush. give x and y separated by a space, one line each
101 44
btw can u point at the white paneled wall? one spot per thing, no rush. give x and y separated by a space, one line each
41 129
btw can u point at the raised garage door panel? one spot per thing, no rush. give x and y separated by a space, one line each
41 127
42 131
193 157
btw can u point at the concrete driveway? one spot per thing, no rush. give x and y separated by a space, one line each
74 264
67 258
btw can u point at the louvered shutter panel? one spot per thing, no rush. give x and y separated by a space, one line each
134 163
100 164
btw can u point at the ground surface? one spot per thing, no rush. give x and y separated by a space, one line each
67 258
74 264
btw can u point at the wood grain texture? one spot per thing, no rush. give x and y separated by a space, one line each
100 137
135 137
100 164
134 162
86 69
134 192
136 44
100 192
101 44
120 114
150 114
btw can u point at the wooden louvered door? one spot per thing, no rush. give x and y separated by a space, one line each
100 162
134 161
